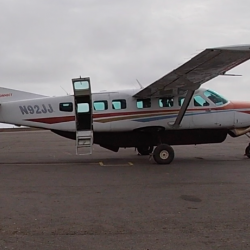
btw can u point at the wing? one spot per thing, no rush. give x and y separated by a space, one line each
200 69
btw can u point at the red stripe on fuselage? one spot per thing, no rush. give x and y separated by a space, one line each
53 120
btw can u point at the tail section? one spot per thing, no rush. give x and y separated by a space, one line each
11 95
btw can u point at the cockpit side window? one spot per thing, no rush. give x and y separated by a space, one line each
199 101
215 98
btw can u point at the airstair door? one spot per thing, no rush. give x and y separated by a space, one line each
83 115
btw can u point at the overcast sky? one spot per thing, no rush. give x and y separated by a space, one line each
46 43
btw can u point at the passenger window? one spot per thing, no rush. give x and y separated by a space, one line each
143 103
181 100
200 101
119 104
66 106
166 102
100 105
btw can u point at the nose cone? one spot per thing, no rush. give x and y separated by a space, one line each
240 105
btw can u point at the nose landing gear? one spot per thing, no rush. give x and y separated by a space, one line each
247 151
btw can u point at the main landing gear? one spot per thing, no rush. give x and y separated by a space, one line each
163 154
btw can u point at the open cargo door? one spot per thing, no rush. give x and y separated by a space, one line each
83 115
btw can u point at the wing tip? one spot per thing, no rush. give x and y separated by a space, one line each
243 47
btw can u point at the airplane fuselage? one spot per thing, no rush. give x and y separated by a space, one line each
120 120
45 113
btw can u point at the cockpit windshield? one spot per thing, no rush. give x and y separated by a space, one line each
215 98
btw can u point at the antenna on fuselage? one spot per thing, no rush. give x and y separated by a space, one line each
64 90
139 84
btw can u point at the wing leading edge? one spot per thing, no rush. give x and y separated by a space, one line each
203 67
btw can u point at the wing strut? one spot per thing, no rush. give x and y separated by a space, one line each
184 106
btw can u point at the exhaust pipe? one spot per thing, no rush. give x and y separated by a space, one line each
240 131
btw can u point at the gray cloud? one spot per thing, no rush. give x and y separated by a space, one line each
44 44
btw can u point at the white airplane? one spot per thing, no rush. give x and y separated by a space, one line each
173 110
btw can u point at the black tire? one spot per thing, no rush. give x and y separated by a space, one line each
247 151
145 150
163 154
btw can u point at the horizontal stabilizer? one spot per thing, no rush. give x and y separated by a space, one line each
11 95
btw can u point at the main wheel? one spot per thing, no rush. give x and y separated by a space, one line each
163 154
145 150
247 151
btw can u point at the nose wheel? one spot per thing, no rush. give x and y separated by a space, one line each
247 151
163 154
